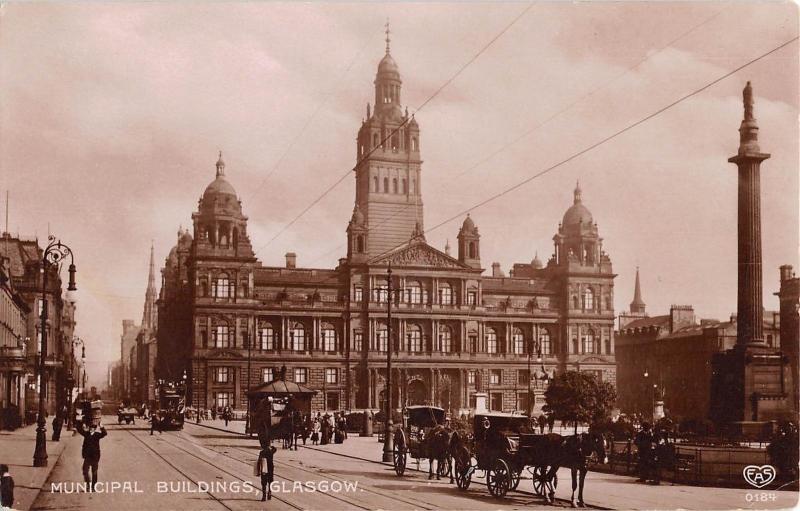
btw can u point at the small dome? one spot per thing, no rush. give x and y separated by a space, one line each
219 186
388 65
577 213
536 263
468 224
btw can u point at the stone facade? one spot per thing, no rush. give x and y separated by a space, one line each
454 331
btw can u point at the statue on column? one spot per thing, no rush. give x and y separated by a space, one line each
747 96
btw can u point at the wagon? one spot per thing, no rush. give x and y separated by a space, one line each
413 438
502 448
127 415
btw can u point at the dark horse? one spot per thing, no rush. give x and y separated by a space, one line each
555 451
436 447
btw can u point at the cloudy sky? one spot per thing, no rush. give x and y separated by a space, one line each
111 117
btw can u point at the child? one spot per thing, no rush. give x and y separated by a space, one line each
265 468
6 488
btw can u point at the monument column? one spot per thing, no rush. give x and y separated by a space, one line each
748 160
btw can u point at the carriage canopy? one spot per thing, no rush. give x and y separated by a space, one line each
505 423
425 416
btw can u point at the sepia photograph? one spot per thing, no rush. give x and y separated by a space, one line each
399 255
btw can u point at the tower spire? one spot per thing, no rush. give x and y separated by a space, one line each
388 40
577 192
149 313
220 165
637 305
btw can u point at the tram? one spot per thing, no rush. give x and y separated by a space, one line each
171 406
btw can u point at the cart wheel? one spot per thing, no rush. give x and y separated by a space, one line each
399 458
539 480
463 475
498 479
443 469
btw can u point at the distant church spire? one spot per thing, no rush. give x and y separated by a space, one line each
637 305
149 313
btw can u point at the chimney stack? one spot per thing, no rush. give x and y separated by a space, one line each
786 272
291 260
496 271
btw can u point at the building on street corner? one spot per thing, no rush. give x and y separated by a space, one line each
455 331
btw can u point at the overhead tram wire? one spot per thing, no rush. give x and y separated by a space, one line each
309 120
405 121
602 141
585 96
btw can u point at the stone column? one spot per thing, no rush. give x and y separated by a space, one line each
748 160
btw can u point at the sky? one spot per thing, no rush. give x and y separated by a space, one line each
112 115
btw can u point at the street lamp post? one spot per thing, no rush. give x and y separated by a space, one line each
54 254
249 357
388 441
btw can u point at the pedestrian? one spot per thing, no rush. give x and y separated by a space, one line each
58 422
226 415
91 450
155 424
315 427
214 414
551 420
265 468
6 488
644 446
542 420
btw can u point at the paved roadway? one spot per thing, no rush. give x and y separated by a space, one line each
165 471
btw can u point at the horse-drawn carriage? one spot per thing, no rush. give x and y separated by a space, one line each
126 414
503 445
422 436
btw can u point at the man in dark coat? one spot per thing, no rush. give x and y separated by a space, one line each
265 468
644 445
6 488
91 450
155 423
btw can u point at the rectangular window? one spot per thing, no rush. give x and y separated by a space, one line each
471 377
267 374
472 297
301 375
221 288
522 376
491 342
494 376
331 375
222 399
267 338
221 338
359 294
473 343
381 294
381 337
414 341
518 343
358 341
222 374
446 296
496 401
329 339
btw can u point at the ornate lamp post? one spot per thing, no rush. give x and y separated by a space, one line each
531 345
54 254
388 441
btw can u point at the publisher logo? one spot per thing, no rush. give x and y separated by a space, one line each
759 476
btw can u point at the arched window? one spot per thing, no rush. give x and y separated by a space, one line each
328 337
203 287
375 183
445 339
381 293
445 294
414 144
297 337
588 341
413 292
588 299
575 304
221 287
405 187
394 186
381 338
472 251
545 346
491 340
375 140
386 185
518 341
266 337
395 142
360 243
414 337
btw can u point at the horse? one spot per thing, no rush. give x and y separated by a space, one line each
460 451
436 447
574 452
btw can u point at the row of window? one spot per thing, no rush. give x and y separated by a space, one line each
225 375
413 293
398 186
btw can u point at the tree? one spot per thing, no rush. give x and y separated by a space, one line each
575 396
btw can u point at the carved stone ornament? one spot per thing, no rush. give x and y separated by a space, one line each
420 255
223 353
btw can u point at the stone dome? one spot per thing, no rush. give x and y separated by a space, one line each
388 66
577 213
468 224
219 186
